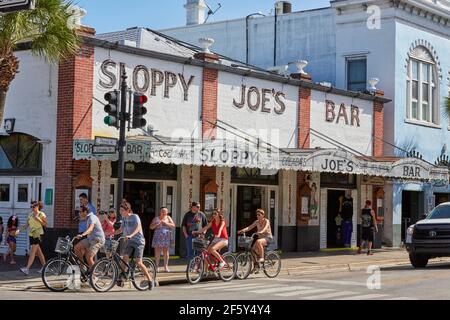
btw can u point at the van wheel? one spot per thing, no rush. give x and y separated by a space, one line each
418 261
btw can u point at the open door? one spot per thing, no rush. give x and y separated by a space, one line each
272 214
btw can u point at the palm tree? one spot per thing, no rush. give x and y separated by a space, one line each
47 29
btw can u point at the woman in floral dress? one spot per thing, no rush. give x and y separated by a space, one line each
162 237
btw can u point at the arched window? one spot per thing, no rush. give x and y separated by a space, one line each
20 154
422 87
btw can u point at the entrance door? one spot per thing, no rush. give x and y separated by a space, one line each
272 215
412 209
143 197
334 235
249 199
16 195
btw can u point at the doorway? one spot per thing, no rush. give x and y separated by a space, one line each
412 209
249 199
143 198
334 232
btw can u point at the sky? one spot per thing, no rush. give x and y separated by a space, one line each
114 15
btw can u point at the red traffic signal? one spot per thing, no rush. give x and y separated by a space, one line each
139 110
140 99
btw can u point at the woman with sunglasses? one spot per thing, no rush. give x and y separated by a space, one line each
36 222
219 228
263 237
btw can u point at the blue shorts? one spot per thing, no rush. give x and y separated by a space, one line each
11 239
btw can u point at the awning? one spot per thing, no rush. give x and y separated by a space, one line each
220 153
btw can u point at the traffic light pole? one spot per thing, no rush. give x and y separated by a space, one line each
122 140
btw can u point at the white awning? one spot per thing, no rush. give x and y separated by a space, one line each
220 153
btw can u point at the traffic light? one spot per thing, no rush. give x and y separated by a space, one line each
139 110
112 109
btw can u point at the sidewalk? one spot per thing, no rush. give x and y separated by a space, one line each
292 264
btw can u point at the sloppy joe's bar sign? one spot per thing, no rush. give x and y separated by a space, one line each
146 80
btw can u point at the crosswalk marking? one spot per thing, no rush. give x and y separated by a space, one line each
220 285
403 298
239 286
330 295
366 297
302 292
252 287
280 289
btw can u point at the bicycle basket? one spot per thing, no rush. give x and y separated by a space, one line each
199 244
110 246
62 246
245 242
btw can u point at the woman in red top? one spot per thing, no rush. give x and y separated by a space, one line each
219 228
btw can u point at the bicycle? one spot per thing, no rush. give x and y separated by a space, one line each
247 261
196 270
59 274
108 272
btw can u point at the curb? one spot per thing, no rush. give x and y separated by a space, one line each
383 264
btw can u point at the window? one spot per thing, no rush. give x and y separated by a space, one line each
4 192
22 193
20 154
422 95
357 74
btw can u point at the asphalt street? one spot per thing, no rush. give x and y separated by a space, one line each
396 283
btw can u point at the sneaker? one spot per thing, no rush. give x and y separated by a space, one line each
25 270
40 270
369 253
152 285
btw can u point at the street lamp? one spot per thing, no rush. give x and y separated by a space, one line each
247 31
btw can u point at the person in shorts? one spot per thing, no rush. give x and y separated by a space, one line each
263 237
220 241
368 226
36 222
95 237
134 240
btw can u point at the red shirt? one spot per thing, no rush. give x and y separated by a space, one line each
215 229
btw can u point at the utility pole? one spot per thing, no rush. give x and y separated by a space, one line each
123 118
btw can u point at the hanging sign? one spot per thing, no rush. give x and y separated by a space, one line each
16 5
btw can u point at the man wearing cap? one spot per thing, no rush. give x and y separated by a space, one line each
194 220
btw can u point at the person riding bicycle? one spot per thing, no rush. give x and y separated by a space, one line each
93 237
263 237
220 241
134 239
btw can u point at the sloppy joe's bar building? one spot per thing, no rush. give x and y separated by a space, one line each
223 134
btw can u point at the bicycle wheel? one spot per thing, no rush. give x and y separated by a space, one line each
151 266
244 265
228 272
58 275
194 270
103 275
138 278
272 264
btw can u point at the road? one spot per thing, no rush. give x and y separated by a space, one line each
397 283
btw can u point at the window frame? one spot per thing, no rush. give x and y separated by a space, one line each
348 62
433 118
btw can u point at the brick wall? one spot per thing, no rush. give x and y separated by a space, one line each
209 102
209 117
378 127
74 121
304 118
